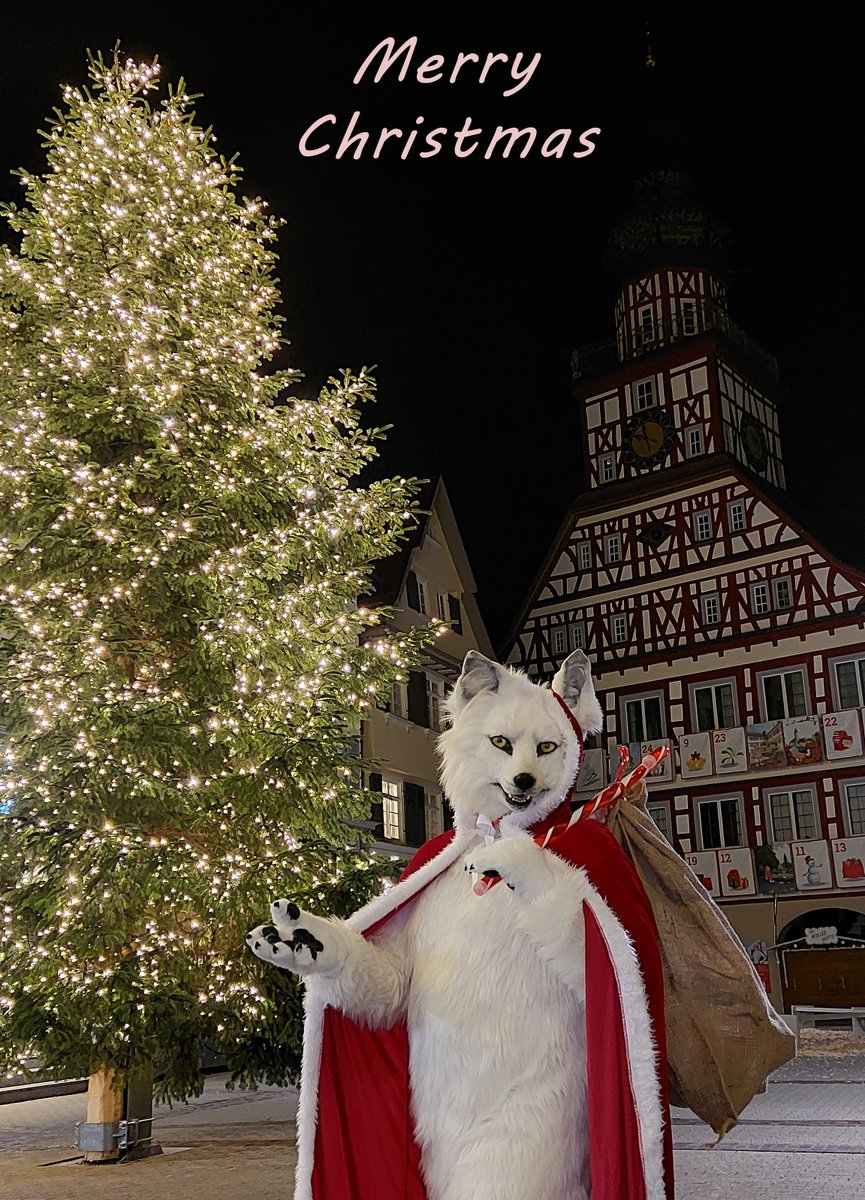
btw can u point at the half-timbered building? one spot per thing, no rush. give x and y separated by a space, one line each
716 622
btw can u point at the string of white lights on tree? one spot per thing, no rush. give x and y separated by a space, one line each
184 664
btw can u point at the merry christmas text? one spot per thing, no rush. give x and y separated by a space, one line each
330 135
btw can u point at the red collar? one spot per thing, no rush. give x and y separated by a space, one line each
566 803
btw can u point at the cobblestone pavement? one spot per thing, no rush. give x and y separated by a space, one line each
803 1139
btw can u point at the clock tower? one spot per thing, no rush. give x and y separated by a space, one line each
679 381
716 623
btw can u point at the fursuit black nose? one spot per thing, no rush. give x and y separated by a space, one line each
524 782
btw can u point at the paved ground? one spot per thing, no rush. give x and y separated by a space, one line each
803 1140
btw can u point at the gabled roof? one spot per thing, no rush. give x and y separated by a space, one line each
601 500
389 574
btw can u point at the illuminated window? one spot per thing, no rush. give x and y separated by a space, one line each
390 807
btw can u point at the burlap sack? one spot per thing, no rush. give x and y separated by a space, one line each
723 1035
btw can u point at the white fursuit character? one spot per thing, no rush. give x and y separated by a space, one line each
452 1024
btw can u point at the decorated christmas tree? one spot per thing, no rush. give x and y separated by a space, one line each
184 664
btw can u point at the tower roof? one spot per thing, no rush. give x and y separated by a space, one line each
666 225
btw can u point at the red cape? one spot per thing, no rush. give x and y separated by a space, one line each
356 1139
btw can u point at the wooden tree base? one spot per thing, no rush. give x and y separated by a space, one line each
104 1106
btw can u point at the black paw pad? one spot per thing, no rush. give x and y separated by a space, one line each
302 937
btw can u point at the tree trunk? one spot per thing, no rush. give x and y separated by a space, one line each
104 1106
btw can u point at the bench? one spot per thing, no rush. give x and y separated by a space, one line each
809 1015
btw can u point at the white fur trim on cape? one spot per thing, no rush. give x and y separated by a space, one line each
641 1048
315 1003
642 1052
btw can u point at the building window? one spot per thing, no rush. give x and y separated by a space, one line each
608 468
720 822
736 515
390 808
713 705
660 814
855 796
693 441
688 309
434 700
442 605
782 590
849 682
613 548
784 694
416 594
434 814
398 700
642 717
645 326
760 599
579 635
793 815
710 606
620 628
584 555
560 640
643 395
702 523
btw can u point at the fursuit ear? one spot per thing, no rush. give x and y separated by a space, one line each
479 674
573 682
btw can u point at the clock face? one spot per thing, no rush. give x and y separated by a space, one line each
754 441
648 439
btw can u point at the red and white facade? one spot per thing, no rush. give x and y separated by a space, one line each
714 621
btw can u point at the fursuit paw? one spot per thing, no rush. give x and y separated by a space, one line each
520 862
298 941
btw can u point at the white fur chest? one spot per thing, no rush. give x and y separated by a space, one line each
497 1047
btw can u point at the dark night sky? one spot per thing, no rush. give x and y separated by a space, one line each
468 282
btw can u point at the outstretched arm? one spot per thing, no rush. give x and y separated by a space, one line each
366 980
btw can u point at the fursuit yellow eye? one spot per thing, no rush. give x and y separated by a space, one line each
502 743
547 747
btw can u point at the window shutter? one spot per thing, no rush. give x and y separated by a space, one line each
456 614
376 812
415 823
418 701
447 814
412 592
